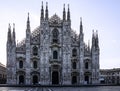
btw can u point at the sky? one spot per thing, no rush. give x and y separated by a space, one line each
101 15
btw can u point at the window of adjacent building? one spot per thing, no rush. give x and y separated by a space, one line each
74 52
35 51
20 64
55 55
86 65
35 64
55 34
74 65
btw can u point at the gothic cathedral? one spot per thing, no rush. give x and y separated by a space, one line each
53 54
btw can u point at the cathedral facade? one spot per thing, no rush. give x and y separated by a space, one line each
53 54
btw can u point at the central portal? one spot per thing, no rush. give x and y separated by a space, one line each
35 79
87 79
74 80
55 77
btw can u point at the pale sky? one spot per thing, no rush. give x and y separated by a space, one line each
101 15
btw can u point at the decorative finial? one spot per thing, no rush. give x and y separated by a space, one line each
46 3
42 12
93 31
28 14
47 6
42 4
64 13
13 25
68 6
9 26
28 22
64 6
81 20
96 33
68 14
46 13
81 26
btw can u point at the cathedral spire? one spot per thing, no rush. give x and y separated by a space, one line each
28 23
97 40
42 12
81 26
68 14
13 32
81 30
93 39
81 35
9 39
64 13
28 32
46 11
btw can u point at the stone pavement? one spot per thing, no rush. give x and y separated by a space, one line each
26 89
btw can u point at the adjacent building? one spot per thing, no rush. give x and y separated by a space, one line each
53 53
2 74
110 76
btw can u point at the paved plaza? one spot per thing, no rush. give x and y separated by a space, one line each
96 88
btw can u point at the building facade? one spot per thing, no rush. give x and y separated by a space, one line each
110 76
2 74
52 54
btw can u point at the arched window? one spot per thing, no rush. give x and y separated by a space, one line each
55 34
35 64
74 65
35 51
74 52
86 65
55 55
20 64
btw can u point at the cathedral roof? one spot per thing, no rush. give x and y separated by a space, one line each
55 19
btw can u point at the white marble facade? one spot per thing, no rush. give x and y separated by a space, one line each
53 54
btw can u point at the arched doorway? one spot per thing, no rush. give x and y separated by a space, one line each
74 79
87 79
55 77
21 79
35 79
